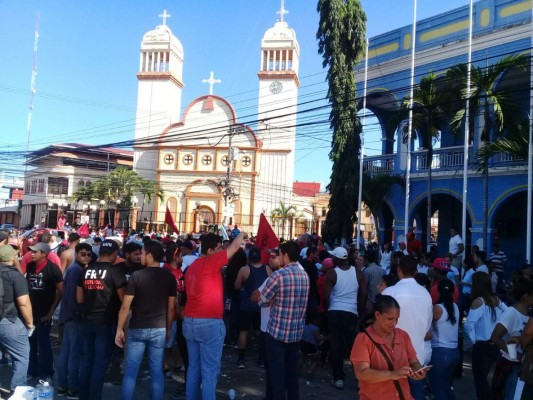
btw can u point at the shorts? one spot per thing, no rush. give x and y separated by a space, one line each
249 320
173 329
308 348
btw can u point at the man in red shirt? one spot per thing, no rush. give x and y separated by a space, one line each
203 326
51 256
414 246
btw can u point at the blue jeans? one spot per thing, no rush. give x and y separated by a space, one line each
282 368
417 388
68 360
205 339
41 359
444 361
510 383
97 343
14 338
152 339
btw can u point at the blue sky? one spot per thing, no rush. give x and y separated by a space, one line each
88 57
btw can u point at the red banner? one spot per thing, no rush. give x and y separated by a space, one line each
266 238
83 231
170 221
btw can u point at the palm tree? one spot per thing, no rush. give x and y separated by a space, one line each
118 188
282 214
376 188
498 108
430 117
515 144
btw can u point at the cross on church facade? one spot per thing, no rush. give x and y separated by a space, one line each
165 15
282 11
187 160
246 161
206 160
211 81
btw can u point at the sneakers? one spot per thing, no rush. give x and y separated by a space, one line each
73 395
241 364
338 384
61 391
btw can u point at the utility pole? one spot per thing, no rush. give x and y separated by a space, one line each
225 184
32 87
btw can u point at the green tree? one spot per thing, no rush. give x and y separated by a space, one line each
376 188
282 214
118 188
341 41
430 118
497 107
516 144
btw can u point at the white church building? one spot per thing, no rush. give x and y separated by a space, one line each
213 168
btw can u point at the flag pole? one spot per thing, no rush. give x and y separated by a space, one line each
467 122
410 131
362 153
530 154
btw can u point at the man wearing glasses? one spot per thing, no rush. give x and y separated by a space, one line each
68 361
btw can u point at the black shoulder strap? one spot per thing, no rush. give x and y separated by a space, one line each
389 363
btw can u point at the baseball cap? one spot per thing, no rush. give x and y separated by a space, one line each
13 242
254 254
303 252
3 235
40 247
340 253
442 264
6 253
108 246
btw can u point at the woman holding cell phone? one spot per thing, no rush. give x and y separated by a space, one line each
445 333
383 356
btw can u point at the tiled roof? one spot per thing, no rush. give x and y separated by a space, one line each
306 189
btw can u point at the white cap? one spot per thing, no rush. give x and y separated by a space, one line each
340 253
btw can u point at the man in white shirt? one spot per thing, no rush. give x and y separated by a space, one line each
416 314
456 247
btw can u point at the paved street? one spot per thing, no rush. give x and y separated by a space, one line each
249 383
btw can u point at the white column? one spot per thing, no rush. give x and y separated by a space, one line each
269 56
274 60
362 153
141 62
262 60
145 61
152 62
158 64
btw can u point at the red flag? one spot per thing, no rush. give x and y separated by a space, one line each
84 230
170 221
266 238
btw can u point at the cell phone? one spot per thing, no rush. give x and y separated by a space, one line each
426 368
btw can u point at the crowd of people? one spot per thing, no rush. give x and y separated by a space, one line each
170 303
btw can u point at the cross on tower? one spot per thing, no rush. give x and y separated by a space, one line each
169 159
282 11
211 81
165 15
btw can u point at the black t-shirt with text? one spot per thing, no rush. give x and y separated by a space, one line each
42 287
101 303
151 288
14 286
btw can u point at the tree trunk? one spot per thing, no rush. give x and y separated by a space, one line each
429 162
485 204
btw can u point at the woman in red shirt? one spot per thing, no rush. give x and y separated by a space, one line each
383 356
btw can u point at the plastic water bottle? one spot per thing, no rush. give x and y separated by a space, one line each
30 394
38 388
47 391
231 394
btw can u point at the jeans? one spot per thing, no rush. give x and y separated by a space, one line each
68 360
417 388
342 327
97 343
268 385
152 339
510 383
205 339
484 356
14 338
282 368
444 361
41 359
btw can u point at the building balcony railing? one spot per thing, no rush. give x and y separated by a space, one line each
376 164
445 159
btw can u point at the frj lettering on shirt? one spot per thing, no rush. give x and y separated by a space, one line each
95 274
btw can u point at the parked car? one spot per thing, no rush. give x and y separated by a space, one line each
8 227
29 238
